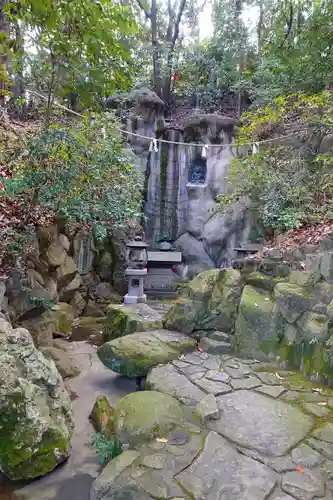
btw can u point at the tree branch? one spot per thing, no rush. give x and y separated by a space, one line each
142 7
177 23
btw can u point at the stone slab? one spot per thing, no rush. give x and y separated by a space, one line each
220 472
213 387
168 380
303 485
271 390
245 383
256 421
324 433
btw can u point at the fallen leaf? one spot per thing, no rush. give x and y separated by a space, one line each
161 440
322 403
300 469
278 376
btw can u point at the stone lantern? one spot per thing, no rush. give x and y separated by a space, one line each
137 259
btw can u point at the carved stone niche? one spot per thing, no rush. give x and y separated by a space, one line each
197 171
84 251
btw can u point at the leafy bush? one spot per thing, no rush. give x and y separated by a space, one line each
288 181
107 449
79 172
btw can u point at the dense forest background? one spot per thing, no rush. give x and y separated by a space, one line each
266 62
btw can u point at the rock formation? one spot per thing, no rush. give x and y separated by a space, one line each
36 421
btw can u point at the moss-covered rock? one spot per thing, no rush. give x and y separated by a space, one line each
326 267
209 302
123 320
263 281
221 310
314 326
140 416
102 416
133 355
202 285
36 420
42 328
255 329
183 314
64 315
292 300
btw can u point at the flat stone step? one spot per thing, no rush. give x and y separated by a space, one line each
219 336
215 346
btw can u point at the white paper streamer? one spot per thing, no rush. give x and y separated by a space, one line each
204 151
255 148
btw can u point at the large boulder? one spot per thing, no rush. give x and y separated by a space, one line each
36 420
30 302
133 355
55 254
292 300
141 416
64 316
67 293
208 302
182 316
123 320
62 360
41 328
255 327
57 320
223 305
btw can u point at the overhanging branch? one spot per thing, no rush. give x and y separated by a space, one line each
142 7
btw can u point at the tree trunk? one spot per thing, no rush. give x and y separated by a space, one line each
238 9
153 21
4 31
259 30
172 37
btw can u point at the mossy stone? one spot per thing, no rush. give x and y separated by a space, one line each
141 416
182 316
292 300
262 281
123 320
202 285
102 415
255 324
134 355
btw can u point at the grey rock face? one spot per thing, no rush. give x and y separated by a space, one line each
36 421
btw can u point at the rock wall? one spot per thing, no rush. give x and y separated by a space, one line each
182 183
36 421
270 308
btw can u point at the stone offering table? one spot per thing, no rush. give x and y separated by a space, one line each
161 277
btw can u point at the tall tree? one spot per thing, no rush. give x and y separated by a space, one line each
4 50
164 38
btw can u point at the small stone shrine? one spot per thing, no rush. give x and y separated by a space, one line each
162 270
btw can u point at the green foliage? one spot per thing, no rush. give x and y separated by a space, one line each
107 449
79 172
288 180
80 48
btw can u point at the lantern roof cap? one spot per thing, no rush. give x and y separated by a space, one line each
137 243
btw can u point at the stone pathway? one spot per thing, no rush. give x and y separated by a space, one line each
265 434
72 480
